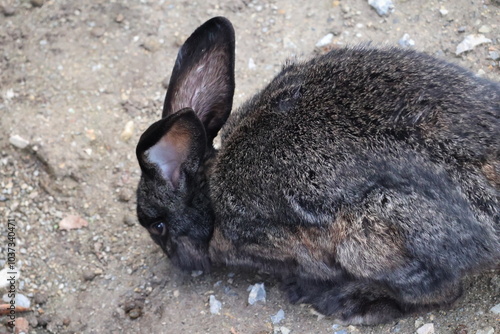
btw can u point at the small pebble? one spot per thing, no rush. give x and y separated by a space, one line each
128 131
129 220
282 330
383 7
179 40
66 321
40 298
43 320
18 141
342 331
326 40
251 64
257 294
419 322
119 313
8 10
22 325
97 32
119 18
443 11
426 329
494 55
487 330
495 309
33 321
276 319
37 3
130 305
21 300
71 222
406 41
484 29
215 305
461 29
151 44
125 195
135 313
89 275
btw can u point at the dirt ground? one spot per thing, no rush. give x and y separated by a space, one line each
74 73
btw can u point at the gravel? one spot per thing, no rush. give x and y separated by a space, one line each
278 317
215 305
383 7
257 293
74 73
426 329
19 141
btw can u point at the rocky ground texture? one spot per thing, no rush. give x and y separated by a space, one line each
81 80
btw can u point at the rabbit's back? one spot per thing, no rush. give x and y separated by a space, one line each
368 93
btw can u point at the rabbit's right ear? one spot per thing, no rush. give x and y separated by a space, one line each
203 76
172 148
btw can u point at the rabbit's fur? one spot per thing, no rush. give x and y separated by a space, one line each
368 180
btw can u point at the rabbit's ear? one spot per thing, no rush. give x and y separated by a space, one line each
173 147
203 75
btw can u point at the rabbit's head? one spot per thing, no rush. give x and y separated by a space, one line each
172 196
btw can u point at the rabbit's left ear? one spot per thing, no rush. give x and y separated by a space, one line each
203 76
172 148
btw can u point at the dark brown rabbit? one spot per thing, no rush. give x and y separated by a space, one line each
368 180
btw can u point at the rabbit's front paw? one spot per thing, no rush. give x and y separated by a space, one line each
294 290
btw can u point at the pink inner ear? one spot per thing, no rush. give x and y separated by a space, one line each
169 153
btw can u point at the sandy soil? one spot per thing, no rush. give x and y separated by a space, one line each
74 73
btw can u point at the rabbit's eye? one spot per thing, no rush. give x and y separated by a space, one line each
158 229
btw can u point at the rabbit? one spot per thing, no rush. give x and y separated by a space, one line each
366 179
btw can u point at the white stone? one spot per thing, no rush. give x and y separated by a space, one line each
21 300
276 319
251 64
282 330
470 42
327 39
426 329
406 41
495 309
257 293
383 7
215 305
19 141
484 29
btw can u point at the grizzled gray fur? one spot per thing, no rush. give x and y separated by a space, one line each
367 179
